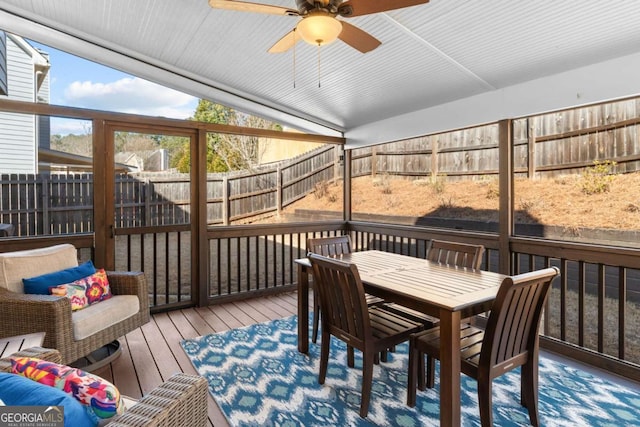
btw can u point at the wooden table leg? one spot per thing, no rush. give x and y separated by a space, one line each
303 309
449 368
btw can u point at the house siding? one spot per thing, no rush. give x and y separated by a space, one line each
3 63
17 131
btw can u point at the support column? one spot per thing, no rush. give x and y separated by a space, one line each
505 168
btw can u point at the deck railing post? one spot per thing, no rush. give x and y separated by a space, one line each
505 177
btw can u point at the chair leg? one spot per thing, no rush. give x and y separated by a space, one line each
420 370
324 356
413 374
431 372
484 402
316 319
367 380
529 390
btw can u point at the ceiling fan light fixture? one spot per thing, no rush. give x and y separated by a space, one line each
319 29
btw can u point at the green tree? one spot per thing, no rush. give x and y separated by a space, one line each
227 152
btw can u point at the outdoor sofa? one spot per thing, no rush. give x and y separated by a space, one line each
181 401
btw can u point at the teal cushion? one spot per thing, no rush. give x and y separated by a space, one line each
19 390
41 284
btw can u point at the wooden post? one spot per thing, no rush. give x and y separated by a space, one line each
46 227
505 177
279 189
434 156
346 196
226 203
337 160
200 246
147 201
374 162
531 142
103 193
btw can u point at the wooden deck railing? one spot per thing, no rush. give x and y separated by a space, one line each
251 260
593 311
592 314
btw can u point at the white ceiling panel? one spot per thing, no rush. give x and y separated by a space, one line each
434 56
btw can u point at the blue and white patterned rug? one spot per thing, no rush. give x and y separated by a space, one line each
258 378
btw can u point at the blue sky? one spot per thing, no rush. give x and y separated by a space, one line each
81 83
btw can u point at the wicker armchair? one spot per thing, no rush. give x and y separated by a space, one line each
181 401
27 313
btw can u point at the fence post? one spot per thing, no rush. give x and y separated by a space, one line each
279 189
147 201
374 162
226 203
45 205
531 142
434 155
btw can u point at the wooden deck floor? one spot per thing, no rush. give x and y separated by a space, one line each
152 354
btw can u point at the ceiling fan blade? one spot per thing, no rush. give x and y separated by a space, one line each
251 7
364 7
357 38
285 43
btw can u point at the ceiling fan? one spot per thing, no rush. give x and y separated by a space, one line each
319 25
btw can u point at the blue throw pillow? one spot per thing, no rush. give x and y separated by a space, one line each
19 390
41 284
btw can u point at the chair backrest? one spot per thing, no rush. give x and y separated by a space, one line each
342 299
512 329
454 253
329 246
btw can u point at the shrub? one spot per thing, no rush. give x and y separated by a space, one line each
386 188
633 207
598 178
321 189
446 203
383 181
493 191
437 183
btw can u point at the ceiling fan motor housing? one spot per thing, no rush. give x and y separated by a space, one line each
330 6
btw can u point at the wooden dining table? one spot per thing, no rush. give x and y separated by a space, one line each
446 292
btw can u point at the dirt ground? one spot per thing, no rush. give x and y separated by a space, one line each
558 201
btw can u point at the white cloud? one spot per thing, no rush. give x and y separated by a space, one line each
60 126
131 95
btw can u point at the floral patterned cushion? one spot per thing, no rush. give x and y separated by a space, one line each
76 293
102 397
97 286
85 291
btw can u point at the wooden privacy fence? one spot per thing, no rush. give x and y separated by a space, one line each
44 204
546 145
552 144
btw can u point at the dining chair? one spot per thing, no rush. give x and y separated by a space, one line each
451 254
510 340
331 247
455 253
347 316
